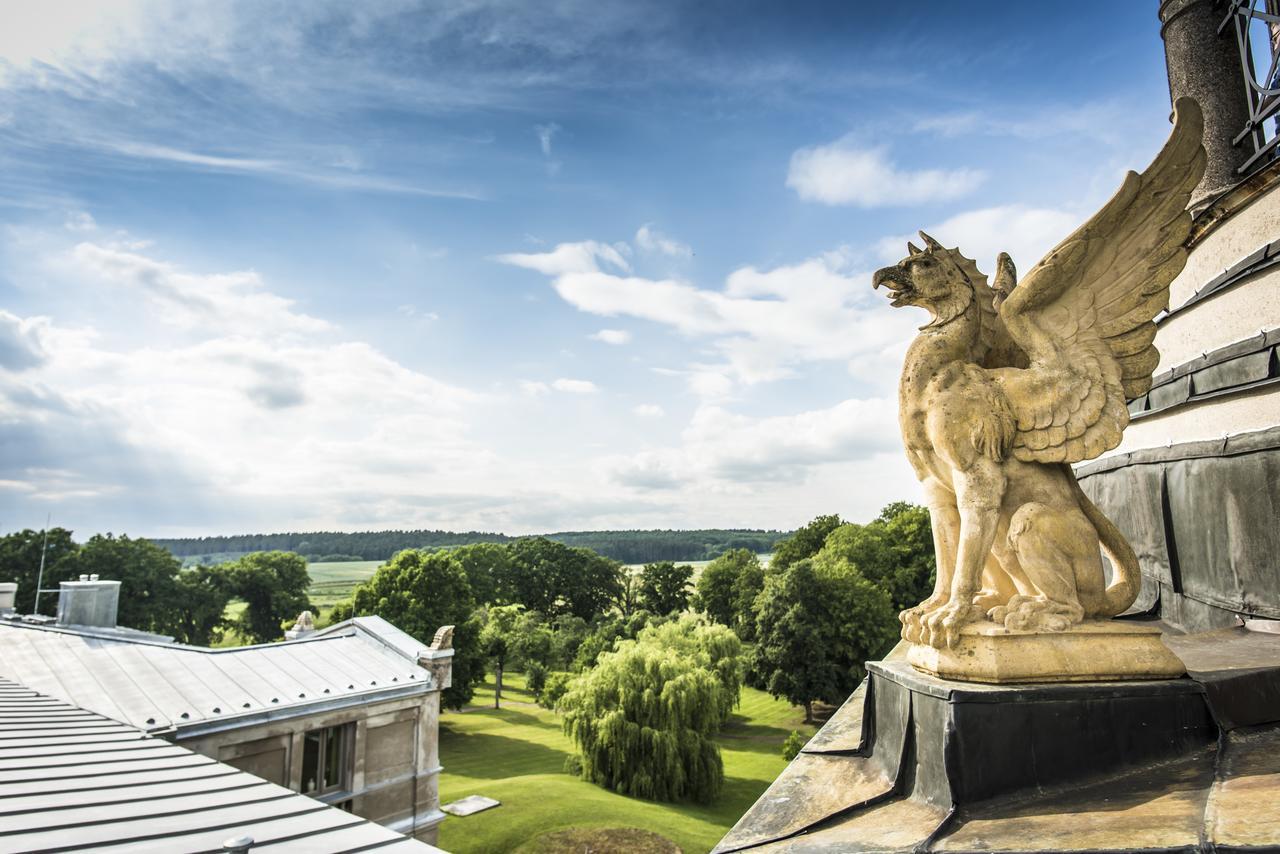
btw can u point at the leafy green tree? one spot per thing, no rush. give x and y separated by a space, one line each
714 589
555 579
485 565
895 551
628 596
20 562
644 717
815 630
746 588
567 634
589 585
200 601
607 632
419 592
147 575
804 543
664 587
722 592
513 637
497 637
274 588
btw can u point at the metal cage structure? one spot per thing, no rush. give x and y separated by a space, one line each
1256 26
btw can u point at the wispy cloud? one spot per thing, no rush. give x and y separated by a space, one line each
546 133
339 180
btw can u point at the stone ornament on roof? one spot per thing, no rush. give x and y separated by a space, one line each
1000 393
443 638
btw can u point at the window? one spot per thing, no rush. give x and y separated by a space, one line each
326 760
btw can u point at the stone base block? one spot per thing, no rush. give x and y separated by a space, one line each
1094 651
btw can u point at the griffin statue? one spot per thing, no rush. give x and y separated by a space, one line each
1006 387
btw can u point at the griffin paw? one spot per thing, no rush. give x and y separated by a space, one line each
941 626
1035 614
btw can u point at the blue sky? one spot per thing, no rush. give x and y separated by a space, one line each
511 266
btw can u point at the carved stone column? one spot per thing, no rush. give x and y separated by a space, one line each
1206 66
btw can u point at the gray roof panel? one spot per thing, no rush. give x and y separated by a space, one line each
113 788
164 686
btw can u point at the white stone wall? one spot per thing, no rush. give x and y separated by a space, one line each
1240 312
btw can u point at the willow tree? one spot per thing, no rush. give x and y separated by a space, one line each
644 717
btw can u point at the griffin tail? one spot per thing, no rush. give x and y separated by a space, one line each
1123 590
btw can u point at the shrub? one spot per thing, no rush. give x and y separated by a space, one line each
793 745
556 686
535 674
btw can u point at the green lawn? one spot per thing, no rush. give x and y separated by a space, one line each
517 755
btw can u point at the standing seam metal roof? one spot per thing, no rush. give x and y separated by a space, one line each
165 686
73 780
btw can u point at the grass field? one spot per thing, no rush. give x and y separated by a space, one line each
333 582
516 754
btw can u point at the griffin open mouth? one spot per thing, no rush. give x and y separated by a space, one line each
899 290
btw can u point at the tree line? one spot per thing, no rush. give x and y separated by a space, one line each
631 547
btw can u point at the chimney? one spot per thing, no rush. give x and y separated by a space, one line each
89 602
8 590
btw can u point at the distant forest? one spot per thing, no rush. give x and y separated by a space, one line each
625 546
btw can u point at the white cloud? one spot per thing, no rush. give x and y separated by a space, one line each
21 341
649 410
569 258
651 240
719 446
762 324
735 446
1026 233
842 174
533 388
251 401
575 386
233 303
611 336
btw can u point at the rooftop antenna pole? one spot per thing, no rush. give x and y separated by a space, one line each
43 549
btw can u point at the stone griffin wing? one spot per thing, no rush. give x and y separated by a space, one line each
1084 316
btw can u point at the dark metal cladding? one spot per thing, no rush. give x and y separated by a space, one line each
1170 765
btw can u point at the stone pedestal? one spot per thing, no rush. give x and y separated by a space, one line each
1094 651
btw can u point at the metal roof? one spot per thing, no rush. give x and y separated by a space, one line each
73 780
187 690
